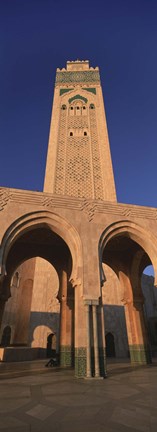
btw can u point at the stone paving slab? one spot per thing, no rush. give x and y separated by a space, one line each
56 401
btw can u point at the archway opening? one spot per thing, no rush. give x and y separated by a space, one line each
149 291
114 313
51 345
110 345
43 261
127 259
149 270
6 336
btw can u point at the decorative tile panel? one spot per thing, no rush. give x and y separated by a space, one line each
66 356
80 362
140 354
90 89
65 90
77 77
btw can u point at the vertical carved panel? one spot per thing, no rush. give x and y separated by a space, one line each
61 155
98 187
78 178
78 165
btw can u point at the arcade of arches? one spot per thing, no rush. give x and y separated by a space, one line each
47 311
71 257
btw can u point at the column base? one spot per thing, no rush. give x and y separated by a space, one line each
66 356
102 362
80 362
140 354
94 378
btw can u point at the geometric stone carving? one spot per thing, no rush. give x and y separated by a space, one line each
77 77
89 209
4 197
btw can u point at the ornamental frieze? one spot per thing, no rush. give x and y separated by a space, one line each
78 77
89 206
4 197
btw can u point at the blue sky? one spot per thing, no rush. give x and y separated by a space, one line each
119 36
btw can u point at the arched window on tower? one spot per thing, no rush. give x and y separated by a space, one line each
71 110
78 110
92 106
64 107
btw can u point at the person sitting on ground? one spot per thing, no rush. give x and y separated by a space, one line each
52 362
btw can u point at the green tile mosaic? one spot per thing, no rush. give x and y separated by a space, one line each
80 362
140 354
65 90
78 77
78 97
66 356
102 362
90 89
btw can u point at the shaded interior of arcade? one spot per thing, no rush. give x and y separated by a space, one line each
38 319
125 313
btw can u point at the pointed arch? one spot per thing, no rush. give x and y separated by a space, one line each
55 223
137 233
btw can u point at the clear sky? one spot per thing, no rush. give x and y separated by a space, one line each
119 36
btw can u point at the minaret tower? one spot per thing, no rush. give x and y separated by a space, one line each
78 160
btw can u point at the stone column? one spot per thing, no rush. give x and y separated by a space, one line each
95 338
63 289
4 293
102 341
2 306
89 373
66 331
143 352
22 323
137 332
80 328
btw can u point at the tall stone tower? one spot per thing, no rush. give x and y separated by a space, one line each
88 250
78 159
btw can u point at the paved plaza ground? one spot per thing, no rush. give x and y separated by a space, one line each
34 398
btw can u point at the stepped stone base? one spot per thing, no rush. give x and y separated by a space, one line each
18 354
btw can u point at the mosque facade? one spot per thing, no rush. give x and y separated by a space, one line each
72 257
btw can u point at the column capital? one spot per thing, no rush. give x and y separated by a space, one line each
75 282
93 302
87 302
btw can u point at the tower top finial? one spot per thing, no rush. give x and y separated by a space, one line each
77 65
